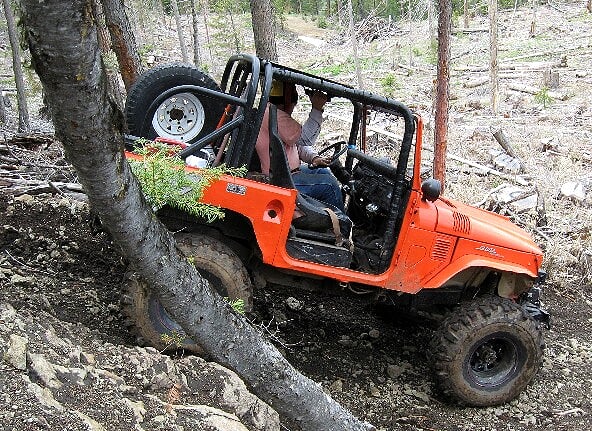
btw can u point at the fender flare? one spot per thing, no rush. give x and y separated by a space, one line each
466 262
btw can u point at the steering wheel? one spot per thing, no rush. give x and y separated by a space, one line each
339 148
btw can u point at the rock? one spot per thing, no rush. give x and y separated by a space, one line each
293 304
67 372
336 386
574 190
44 370
16 355
25 198
19 279
394 371
374 334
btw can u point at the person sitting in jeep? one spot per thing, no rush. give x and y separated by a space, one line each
315 181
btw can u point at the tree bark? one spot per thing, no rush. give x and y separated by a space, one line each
589 6
264 29
19 80
177 16
493 66
67 60
2 108
442 91
123 41
354 42
194 22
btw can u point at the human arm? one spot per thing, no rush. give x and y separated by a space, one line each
310 131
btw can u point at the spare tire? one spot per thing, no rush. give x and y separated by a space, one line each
184 115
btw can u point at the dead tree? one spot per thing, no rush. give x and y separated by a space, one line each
493 67
19 79
123 41
264 29
77 89
442 90
180 34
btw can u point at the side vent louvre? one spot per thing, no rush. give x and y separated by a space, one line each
440 249
461 223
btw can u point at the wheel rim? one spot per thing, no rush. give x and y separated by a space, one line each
164 323
179 117
493 361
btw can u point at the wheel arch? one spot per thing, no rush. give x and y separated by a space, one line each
514 279
235 229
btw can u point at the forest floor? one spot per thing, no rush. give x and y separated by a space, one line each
368 357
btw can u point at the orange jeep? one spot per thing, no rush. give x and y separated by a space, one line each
397 238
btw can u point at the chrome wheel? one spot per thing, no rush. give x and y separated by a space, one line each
179 117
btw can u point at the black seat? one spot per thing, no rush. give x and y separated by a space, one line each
317 216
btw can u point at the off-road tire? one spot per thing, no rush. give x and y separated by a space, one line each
151 84
216 262
486 352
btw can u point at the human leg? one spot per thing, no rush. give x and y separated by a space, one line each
319 185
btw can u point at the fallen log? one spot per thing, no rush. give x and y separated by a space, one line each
534 90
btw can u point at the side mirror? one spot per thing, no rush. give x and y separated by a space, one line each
431 189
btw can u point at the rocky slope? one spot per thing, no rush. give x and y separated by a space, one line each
62 376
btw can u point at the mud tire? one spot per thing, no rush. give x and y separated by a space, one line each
486 352
199 119
216 262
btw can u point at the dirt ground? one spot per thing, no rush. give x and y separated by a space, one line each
372 358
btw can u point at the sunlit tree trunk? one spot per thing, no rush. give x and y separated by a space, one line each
442 90
354 42
180 34
264 29
76 89
196 47
123 41
493 67
23 110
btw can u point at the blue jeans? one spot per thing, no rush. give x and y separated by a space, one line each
319 184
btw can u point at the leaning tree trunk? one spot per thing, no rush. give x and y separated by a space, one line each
123 41
493 67
264 29
23 110
180 35
67 59
442 91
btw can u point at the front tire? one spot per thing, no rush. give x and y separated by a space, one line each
486 352
184 116
217 263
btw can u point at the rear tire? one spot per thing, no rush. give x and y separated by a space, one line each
216 262
486 352
182 116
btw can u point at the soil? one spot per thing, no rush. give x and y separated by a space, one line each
371 357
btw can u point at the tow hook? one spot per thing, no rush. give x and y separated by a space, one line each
531 302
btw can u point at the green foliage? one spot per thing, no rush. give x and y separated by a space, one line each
389 84
238 305
173 338
164 180
543 97
322 21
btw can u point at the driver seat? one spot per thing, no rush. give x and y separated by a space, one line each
320 221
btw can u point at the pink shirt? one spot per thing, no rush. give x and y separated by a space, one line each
297 139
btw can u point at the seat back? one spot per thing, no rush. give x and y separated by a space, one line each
279 170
